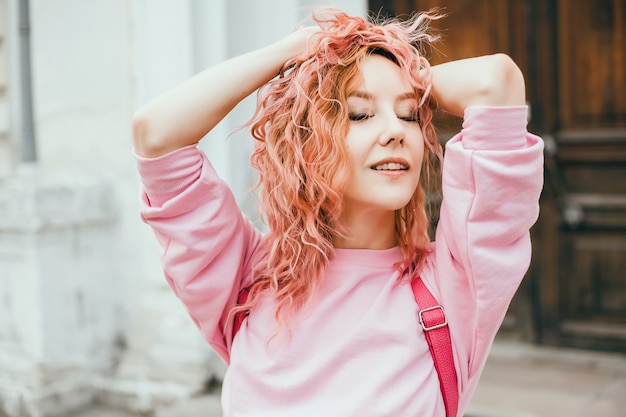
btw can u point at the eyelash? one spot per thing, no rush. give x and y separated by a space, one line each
360 117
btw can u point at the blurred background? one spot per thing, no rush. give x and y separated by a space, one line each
85 314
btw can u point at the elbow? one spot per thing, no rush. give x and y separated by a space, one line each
145 141
504 82
140 128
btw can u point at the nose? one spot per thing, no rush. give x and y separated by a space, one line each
393 131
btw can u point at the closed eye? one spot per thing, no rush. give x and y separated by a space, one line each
413 118
356 117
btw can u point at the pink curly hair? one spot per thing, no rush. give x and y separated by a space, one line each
299 126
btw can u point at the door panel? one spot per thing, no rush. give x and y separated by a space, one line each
593 298
592 61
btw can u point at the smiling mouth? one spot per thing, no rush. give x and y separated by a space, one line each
391 166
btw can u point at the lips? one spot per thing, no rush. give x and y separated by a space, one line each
391 164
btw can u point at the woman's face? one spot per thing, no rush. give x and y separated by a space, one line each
384 141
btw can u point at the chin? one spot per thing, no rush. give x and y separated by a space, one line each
396 205
403 200
379 199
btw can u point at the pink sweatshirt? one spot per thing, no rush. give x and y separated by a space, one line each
358 350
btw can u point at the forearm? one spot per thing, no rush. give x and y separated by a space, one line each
490 80
185 114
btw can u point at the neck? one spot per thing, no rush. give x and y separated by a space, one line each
368 230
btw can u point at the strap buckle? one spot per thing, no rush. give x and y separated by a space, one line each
434 326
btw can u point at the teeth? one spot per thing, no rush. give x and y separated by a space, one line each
390 167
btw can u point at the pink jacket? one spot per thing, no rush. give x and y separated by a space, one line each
358 350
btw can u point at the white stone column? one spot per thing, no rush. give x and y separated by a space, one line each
58 308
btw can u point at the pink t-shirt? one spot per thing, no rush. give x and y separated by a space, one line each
358 350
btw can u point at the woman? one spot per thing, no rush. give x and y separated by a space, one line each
345 146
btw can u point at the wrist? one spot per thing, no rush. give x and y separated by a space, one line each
294 44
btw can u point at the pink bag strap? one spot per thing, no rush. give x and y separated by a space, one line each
435 324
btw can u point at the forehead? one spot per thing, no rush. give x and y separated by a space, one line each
379 75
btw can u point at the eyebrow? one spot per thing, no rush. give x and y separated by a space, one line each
409 95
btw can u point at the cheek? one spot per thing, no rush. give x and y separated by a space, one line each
418 145
355 146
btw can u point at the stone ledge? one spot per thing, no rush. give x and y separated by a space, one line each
54 400
141 396
38 201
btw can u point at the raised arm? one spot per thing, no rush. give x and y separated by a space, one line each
490 80
185 114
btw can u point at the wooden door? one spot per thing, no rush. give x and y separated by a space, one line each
580 275
573 54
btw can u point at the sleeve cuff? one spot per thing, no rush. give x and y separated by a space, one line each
497 128
168 175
